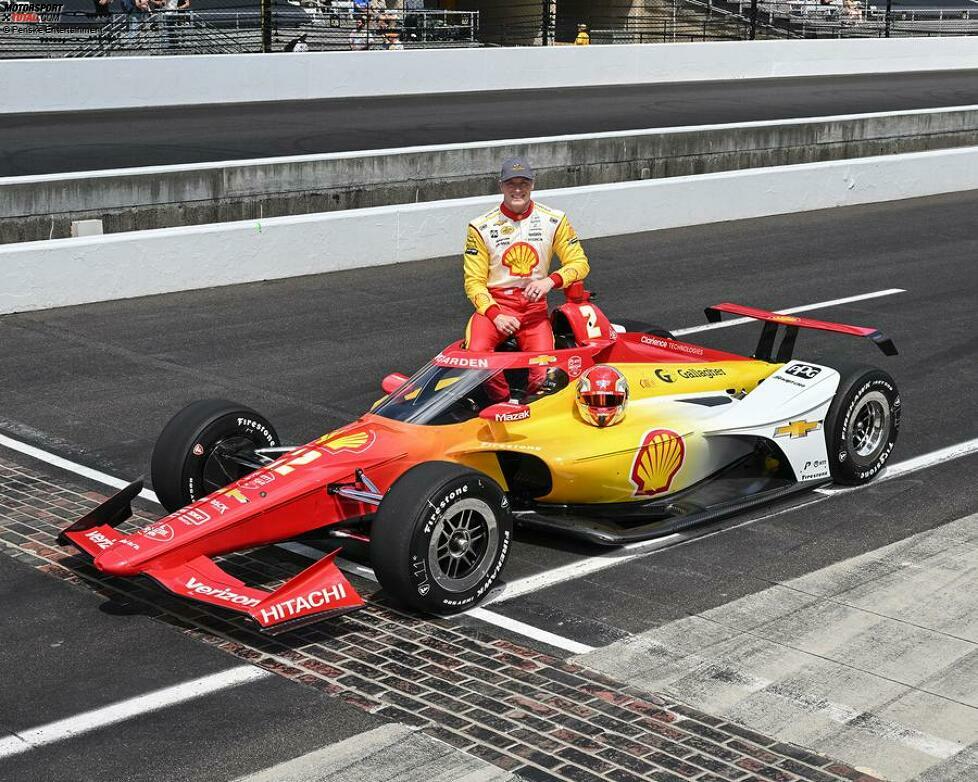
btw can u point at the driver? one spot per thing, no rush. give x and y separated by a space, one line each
602 395
506 264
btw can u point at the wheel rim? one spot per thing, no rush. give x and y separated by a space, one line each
461 545
868 428
215 474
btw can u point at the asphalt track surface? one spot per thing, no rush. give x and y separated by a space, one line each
82 141
96 383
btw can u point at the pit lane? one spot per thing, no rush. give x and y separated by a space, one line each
96 383
60 142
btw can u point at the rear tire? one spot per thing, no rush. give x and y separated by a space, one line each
441 537
185 466
862 424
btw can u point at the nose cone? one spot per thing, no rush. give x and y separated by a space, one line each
118 560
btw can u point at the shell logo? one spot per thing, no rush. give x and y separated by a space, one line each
521 259
659 458
354 442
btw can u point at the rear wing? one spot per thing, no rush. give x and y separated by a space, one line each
774 320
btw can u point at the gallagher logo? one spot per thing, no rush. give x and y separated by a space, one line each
659 458
352 442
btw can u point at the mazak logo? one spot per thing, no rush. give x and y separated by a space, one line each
518 415
806 371
278 612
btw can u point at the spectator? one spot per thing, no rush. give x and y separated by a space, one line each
360 37
393 42
102 7
297 44
583 38
171 9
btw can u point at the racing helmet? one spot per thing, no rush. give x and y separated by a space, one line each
602 395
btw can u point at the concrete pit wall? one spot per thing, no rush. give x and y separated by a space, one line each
39 208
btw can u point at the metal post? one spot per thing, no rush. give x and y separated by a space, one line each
886 27
266 26
545 21
753 19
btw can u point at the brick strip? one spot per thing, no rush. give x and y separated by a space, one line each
523 711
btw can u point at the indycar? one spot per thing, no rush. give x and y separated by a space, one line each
434 477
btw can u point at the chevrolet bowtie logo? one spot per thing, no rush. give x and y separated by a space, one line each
542 360
797 429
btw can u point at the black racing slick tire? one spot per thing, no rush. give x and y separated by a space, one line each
862 424
441 538
186 464
639 327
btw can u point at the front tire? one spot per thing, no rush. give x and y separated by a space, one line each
186 464
441 537
862 425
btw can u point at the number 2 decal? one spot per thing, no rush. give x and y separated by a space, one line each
290 465
593 329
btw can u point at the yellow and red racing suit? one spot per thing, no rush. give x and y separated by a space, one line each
505 252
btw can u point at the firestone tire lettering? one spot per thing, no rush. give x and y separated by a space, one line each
188 442
406 521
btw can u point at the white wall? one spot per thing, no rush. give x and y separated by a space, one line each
55 273
114 82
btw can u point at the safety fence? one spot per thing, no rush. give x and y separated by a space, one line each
37 30
45 29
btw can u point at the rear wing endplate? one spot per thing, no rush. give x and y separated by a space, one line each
773 320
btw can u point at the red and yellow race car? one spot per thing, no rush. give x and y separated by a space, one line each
435 474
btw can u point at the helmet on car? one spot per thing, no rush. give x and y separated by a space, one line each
602 395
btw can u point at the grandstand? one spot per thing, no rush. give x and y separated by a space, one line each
238 26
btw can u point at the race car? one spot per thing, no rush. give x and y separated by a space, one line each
434 476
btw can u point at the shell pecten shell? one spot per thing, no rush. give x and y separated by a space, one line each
657 461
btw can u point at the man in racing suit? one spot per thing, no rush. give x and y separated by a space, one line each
506 266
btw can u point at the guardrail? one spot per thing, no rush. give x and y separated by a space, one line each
55 273
43 207
99 83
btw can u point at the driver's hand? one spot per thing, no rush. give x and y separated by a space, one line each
538 289
506 324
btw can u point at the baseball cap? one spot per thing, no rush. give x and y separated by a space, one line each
515 167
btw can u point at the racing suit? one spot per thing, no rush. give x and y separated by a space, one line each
505 252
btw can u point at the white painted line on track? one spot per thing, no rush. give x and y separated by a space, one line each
506 144
70 466
521 628
907 466
790 311
26 740
480 613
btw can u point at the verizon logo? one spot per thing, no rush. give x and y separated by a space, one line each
221 593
